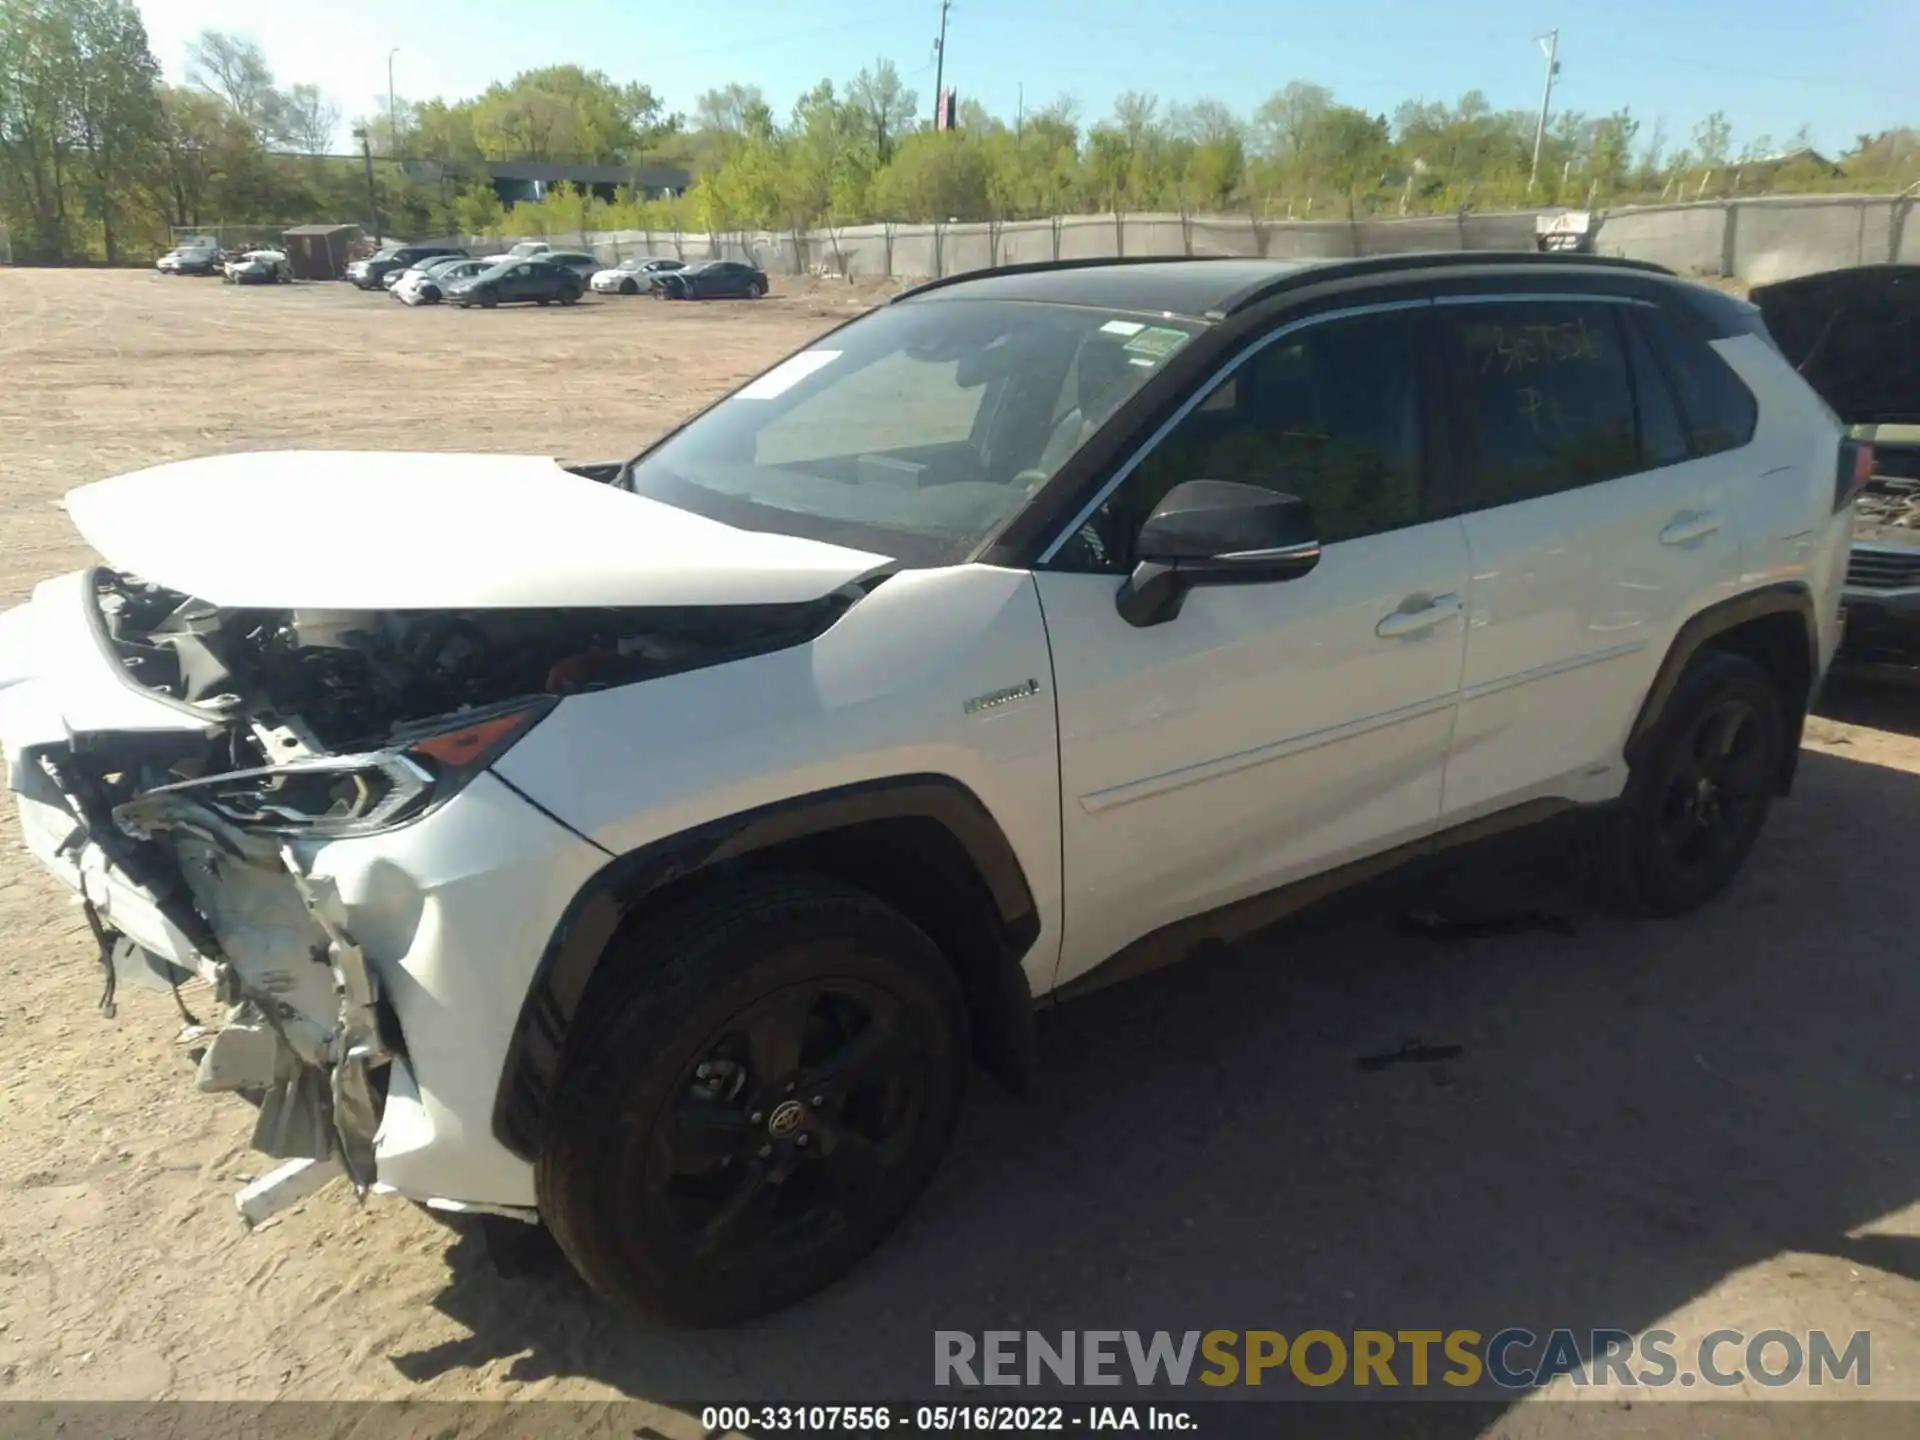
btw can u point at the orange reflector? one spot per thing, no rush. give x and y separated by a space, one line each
462 747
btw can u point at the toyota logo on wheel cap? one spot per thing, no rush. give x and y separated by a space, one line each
785 1119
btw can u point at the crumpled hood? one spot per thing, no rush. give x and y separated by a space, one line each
364 530
1855 336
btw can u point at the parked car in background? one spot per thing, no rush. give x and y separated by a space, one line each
583 263
715 280
259 267
191 257
630 277
1854 335
512 281
370 274
429 286
529 247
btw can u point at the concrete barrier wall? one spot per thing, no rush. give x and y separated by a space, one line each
1760 240
1766 239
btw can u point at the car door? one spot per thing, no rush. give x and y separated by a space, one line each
520 283
1594 529
1267 732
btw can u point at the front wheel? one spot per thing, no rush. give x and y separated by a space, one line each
755 289
572 297
1699 792
487 302
628 287
758 1086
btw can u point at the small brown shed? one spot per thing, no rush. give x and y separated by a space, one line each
320 252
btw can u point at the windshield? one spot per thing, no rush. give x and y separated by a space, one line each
386 254
914 432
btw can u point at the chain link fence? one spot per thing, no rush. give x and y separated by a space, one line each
1758 240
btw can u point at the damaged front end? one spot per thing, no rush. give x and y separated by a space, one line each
191 823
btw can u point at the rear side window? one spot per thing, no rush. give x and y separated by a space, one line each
1546 397
1719 411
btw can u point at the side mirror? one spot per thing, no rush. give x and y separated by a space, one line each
1215 532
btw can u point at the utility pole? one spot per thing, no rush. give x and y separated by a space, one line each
393 121
940 60
1550 43
373 202
1020 110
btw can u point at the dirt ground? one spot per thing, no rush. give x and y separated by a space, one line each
1696 1124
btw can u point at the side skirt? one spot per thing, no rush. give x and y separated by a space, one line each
1180 940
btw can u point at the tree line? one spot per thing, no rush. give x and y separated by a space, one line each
99 156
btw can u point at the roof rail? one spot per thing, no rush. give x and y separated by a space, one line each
1309 272
1040 267
1318 272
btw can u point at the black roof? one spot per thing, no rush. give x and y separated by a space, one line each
1214 289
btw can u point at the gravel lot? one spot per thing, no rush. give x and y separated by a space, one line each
1696 1124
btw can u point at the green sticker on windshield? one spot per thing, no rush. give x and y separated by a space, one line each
1156 342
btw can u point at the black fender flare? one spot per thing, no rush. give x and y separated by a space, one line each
625 883
1790 597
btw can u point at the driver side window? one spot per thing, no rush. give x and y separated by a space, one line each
1330 413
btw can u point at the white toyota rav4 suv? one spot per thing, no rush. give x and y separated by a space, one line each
645 849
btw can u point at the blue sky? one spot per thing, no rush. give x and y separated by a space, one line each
1772 65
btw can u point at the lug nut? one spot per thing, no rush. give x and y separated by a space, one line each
755 1118
801 1140
765 1151
817 1101
789 1087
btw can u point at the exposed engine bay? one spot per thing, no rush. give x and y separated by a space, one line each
302 728
1890 503
345 680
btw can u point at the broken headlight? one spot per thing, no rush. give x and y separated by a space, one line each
342 796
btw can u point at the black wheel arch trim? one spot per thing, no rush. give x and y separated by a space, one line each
1700 630
596 913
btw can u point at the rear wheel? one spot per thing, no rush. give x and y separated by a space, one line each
628 287
487 302
1699 792
760 1086
755 289
571 297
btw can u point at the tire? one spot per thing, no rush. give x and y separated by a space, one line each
719 1215
755 290
572 297
1698 794
543 301
487 302
627 287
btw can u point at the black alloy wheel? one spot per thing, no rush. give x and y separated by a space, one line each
1716 787
1699 791
764 1084
788 1127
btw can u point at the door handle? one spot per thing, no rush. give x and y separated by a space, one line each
1411 620
1693 525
